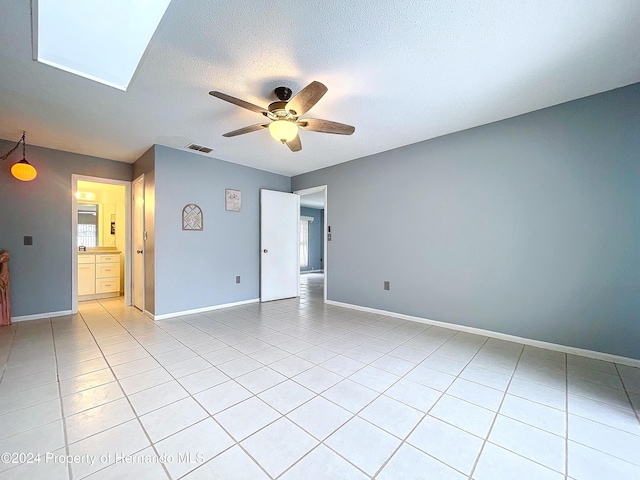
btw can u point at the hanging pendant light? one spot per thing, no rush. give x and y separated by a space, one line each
24 171
21 170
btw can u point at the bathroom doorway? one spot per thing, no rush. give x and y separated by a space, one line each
101 239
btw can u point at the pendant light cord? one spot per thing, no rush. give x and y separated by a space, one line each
6 155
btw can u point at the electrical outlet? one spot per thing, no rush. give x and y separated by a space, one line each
238 279
28 240
386 285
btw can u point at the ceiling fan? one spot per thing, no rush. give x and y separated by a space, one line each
284 115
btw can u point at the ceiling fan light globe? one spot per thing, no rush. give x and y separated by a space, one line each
283 130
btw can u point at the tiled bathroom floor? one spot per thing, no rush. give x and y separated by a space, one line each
296 389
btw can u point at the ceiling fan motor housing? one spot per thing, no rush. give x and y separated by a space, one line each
277 111
283 93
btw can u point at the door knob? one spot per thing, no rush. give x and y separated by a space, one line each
138 251
266 251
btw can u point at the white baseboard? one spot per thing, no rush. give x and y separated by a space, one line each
607 357
98 296
39 316
200 310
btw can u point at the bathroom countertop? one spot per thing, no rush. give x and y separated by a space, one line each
99 251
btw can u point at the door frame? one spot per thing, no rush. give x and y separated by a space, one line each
307 191
141 178
74 237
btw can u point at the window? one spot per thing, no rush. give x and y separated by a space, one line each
87 235
304 243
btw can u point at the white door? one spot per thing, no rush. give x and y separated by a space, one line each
279 243
137 243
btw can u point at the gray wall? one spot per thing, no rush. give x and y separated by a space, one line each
316 244
529 226
145 165
41 274
197 269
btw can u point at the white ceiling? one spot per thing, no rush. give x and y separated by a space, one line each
399 71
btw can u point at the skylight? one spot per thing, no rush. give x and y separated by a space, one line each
102 40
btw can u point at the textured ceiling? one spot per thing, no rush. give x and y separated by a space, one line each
399 71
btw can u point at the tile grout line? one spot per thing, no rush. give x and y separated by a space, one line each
125 396
320 442
591 447
353 415
190 395
626 391
579 394
104 357
237 442
426 414
59 398
274 314
64 420
495 417
256 395
344 378
50 324
4 365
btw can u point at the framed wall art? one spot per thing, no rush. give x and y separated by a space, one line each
232 200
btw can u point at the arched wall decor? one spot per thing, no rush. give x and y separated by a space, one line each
192 217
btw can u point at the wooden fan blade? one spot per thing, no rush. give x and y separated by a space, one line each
249 129
238 102
325 126
306 98
295 145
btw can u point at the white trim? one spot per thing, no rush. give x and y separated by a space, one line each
39 316
199 310
607 357
298 248
325 263
34 32
80 73
98 296
140 178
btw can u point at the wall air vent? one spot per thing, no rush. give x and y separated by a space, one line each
199 148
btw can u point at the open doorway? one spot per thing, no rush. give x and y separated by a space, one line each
313 243
101 239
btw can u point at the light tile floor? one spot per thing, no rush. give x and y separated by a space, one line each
297 389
